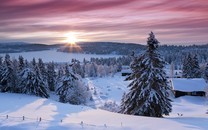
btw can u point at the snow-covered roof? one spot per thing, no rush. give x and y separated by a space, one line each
126 71
188 85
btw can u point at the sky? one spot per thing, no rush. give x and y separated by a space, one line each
128 21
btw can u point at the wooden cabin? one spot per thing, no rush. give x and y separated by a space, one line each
126 70
191 87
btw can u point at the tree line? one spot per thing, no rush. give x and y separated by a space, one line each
38 78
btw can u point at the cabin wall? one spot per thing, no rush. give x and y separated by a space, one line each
178 93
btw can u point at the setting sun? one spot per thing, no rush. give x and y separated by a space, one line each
71 38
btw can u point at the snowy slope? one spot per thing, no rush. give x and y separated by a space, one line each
107 88
189 113
55 115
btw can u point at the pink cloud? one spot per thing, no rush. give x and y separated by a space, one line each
110 20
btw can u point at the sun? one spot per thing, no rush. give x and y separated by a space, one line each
70 38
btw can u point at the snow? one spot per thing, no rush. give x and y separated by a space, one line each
108 88
189 113
53 55
188 85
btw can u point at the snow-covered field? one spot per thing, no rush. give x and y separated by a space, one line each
53 55
189 113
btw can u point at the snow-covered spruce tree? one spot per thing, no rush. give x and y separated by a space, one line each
67 83
60 73
26 64
191 67
77 68
195 68
71 89
32 82
8 76
206 73
42 68
33 62
21 63
92 70
1 61
122 106
148 94
1 69
51 76
186 70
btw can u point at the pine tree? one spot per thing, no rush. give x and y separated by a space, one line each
1 70
206 73
186 70
148 95
16 77
92 71
195 68
66 85
72 89
8 76
191 67
42 68
21 63
33 62
123 107
77 69
60 73
1 61
26 64
51 76
32 82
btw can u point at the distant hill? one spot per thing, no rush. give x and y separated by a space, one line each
104 48
12 47
171 53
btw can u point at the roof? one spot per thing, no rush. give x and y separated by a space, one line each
126 71
188 85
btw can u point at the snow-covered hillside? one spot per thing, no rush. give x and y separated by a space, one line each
189 113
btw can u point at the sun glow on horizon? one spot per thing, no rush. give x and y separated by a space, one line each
71 38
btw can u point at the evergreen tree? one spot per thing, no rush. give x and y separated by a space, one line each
33 62
1 70
32 82
191 67
51 76
1 61
148 95
21 63
195 68
77 69
8 76
42 68
26 64
206 73
123 107
66 85
91 70
71 89
186 70
60 73
16 77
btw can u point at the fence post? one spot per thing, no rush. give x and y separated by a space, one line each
40 119
23 118
7 116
